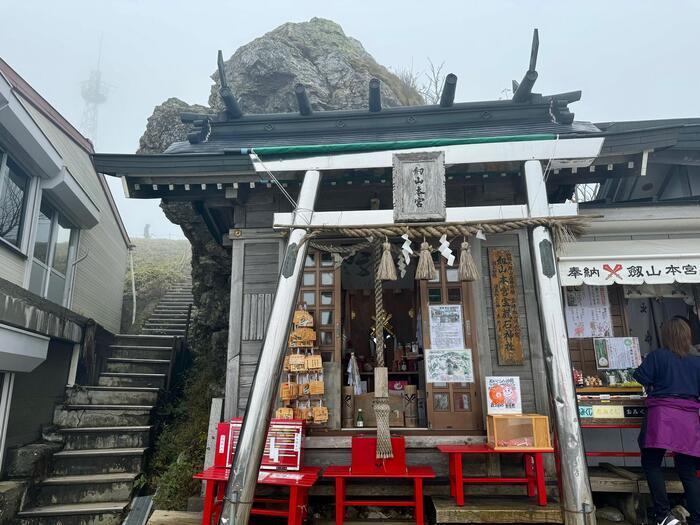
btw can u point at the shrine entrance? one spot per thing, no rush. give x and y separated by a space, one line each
339 292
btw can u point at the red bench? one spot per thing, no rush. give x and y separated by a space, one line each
294 509
282 453
366 466
532 458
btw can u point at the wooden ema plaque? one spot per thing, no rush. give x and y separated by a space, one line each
505 307
297 363
302 319
282 445
284 413
302 338
314 362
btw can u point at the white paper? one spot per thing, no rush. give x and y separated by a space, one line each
503 395
446 327
449 366
588 312
617 353
274 451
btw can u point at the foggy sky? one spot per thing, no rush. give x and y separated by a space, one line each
633 59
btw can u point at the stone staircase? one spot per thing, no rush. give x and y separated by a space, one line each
171 314
106 431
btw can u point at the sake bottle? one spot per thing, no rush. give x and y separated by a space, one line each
360 421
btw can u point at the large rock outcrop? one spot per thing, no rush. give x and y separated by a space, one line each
336 71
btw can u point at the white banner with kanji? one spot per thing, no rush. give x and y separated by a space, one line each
662 261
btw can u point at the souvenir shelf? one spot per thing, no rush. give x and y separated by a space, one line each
302 389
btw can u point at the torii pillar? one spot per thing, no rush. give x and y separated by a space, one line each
240 489
577 499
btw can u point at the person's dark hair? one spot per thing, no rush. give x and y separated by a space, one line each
675 335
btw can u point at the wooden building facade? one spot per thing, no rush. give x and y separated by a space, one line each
513 170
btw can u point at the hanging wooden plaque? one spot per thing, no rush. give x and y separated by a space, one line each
320 414
302 338
302 318
419 186
316 388
297 363
314 362
505 307
284 413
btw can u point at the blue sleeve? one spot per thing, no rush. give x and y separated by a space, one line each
646 373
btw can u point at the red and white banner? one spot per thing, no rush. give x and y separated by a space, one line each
663 261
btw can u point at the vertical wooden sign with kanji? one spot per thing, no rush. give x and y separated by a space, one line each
505 307
419 186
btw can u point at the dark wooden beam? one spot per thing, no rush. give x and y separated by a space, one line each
302 100
233 110
523 91
375 96
447 98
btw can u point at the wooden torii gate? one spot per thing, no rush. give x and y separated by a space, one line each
577 498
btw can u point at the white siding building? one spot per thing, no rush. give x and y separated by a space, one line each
63 255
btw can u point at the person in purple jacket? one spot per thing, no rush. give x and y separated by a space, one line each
671 377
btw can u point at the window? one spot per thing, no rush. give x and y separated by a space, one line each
54 244
13 193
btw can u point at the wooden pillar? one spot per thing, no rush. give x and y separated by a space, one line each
233 354
577 499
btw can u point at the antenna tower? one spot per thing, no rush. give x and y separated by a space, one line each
94 93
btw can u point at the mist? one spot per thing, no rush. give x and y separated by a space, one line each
633 60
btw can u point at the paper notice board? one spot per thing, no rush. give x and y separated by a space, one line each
617 353
588 312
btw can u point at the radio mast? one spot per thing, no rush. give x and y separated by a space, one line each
94 93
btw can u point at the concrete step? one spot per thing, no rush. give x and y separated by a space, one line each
130 379
108 513
92 488
143 340
174 302
495 510
163 331
166 315
97 461
82 438
143 352
166 323
137 365
96 395
73 416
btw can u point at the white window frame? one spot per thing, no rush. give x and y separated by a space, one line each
26 205
30 199
48 268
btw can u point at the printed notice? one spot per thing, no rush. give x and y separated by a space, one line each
446 327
